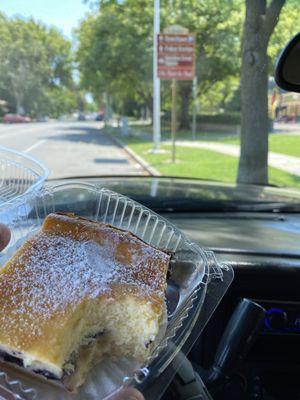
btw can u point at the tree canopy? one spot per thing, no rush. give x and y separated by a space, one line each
35 67
115 52
116 44
115 49
114 56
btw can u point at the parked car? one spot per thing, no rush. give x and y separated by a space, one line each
15 118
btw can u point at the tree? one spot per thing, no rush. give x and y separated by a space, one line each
35 65
287 26
217 25
115 49
260 21
114 52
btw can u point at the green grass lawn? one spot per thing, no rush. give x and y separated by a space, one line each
285 144
200 163
278 143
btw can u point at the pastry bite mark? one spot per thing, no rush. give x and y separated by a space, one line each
76 292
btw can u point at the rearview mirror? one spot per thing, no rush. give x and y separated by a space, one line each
287 73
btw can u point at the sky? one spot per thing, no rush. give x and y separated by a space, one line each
64 14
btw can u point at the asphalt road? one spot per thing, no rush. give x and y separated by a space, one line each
70 148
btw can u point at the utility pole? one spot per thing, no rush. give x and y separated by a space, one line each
156 80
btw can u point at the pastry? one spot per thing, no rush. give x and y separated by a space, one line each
76 292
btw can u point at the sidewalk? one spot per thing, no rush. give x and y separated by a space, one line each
283 162
282 128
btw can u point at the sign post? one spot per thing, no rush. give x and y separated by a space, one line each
156 81
173 120
175 61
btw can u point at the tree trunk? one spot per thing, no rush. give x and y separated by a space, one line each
185 91
19 101
260 22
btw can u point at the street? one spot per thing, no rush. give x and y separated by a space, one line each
70 148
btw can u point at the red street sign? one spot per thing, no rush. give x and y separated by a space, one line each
176 56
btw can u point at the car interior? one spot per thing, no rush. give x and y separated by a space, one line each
245 342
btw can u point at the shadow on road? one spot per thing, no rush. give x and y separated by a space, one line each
85 134
110 161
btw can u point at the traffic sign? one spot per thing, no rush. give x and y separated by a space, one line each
176 56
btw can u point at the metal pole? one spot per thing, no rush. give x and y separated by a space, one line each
195 107
156 80
105 110
173 121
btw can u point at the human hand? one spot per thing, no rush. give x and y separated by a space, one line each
4 236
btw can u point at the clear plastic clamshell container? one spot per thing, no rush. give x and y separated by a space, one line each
19 174
190 272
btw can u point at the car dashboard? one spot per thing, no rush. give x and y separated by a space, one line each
264 250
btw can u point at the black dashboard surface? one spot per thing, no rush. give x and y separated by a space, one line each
259 233
184 202
263 249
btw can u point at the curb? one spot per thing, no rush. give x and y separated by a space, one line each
151 170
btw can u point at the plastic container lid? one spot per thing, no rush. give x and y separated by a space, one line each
191 271
19 174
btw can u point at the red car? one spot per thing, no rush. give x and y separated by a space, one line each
15 118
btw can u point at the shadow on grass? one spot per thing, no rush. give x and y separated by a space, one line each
184 134
284 179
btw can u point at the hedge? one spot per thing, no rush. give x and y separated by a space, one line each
224 119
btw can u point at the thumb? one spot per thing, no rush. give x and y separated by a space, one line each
4 236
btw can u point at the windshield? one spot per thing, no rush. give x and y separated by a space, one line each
180 88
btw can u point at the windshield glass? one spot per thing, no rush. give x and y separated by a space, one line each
180 88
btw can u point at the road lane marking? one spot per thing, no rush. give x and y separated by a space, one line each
35 145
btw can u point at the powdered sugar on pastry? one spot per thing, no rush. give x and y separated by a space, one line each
56 272
75 279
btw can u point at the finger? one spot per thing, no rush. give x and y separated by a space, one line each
128 394
4 236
